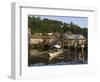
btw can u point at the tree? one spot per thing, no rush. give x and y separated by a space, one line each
47 25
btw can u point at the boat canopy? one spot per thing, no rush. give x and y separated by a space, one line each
57 46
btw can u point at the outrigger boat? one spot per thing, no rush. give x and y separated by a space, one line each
55 54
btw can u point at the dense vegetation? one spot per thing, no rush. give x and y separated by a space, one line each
47 25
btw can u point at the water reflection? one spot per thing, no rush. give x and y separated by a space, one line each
80 55
75 56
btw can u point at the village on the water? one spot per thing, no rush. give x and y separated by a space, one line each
63 46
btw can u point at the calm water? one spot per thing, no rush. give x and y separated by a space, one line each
75 56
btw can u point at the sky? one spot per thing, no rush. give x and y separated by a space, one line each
81 21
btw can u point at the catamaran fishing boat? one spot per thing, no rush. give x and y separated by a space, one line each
56 51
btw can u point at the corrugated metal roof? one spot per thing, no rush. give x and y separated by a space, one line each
42 36
74 36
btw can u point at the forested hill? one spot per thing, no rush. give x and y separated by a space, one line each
48 26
